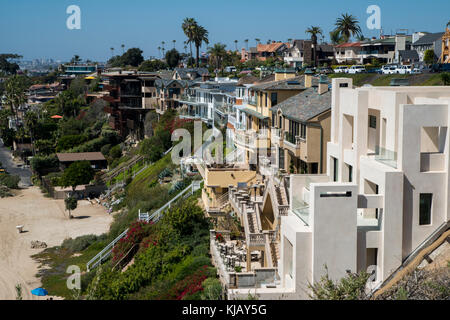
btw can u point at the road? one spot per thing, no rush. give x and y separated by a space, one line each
12 168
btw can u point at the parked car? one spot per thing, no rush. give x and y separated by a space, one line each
404 69
374 70
341 69
325 70
389 69
416 71
356 69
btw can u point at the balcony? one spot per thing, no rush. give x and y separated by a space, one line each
292 143
386 156
432 162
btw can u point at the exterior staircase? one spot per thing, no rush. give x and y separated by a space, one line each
154 217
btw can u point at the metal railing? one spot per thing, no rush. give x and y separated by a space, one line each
106 252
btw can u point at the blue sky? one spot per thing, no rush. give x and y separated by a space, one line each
37 28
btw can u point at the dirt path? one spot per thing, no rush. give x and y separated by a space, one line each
44 219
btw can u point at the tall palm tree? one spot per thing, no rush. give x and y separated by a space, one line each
314 32
174 41
257 41
15 88
217 53
159 50
112 51
162 47
347 26
188 27
289 40
246 44
235 44
123 48
200 35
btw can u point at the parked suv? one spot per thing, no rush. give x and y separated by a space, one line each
356 69
404 69
388 69
341 69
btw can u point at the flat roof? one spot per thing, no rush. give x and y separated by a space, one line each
80 156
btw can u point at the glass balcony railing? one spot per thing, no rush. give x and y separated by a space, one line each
388 157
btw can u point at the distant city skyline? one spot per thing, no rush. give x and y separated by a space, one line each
37 29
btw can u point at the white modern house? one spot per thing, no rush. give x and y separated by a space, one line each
385 194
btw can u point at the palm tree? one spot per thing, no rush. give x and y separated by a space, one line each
123 48
246 44
347 26
174 41
188 27
112 51
235 44
159 50
257 41
335 37
289 40
217 54
200 35
314 32
162 48
15 88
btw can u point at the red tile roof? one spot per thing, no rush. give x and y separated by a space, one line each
271 47
348 45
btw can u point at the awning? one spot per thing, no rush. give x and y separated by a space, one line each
254 113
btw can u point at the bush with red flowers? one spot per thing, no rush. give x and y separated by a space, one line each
219 237
136 233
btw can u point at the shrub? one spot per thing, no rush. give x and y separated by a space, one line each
70 141
81 243
212 289
10 181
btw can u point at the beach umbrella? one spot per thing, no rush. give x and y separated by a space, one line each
56 117
39 292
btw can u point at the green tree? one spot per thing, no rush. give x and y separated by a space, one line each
71 204
217 54
188 27
133 57
335 37
9 67
347 26
152 65
429 56
314 32
78 173
212 289
173 58
200 35
15 88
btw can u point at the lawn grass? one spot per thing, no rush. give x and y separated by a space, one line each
145 177
54 263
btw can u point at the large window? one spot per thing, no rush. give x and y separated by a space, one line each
273 98
425 208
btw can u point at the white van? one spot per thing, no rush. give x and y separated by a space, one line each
341 69
356 69
404 69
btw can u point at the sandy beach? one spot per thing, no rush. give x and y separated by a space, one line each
44 219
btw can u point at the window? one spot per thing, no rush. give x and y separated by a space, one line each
314 168
303 131
372 122
350 173
273 98
335 169
425 208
